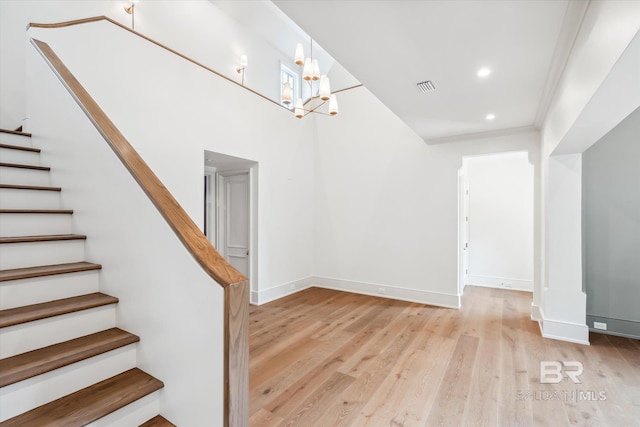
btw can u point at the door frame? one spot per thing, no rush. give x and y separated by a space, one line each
210 210
463 230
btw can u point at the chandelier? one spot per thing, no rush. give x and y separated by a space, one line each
319 93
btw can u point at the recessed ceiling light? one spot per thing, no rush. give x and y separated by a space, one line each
484 72
490 116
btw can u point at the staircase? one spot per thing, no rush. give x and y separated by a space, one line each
63 361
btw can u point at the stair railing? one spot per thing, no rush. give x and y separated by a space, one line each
235 285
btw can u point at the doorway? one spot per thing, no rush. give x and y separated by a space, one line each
230 211
496 221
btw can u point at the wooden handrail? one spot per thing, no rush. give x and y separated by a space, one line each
193 61
236 286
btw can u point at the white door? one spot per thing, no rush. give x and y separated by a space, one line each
235 220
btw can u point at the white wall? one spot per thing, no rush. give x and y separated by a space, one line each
501 214
197 28
172 111
14 17
386 203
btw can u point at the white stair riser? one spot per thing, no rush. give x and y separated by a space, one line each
41 333
21 176
11 198
17 293
13 225
33 392
10 155
134 414
12 139
33 254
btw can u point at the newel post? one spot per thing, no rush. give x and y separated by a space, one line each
236 349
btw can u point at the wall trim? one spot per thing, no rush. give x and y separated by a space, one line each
480 135
619 327
393 292
563 331
501 283
549 328
536 313
267 295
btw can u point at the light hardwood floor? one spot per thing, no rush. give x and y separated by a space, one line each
329 358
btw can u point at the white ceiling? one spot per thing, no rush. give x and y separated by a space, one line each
391 45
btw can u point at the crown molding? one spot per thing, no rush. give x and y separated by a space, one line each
571 25
482 135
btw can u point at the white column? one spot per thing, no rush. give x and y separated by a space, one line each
564 302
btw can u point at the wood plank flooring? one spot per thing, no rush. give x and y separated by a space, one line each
329 358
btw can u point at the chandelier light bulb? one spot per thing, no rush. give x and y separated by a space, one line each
333 105
299 110
287 93
316 70
299 54
325 88
307 71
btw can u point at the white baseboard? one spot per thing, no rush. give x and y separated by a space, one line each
267 295
549 328
501 283
563 331
386 291
393 292
536 313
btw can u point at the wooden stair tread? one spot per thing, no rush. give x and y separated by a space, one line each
42 238
21 166
36 211
21 148
29 187
36 362
15 132
91 403
47 270
158 421
29 313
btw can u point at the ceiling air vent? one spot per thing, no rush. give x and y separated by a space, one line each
426 86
